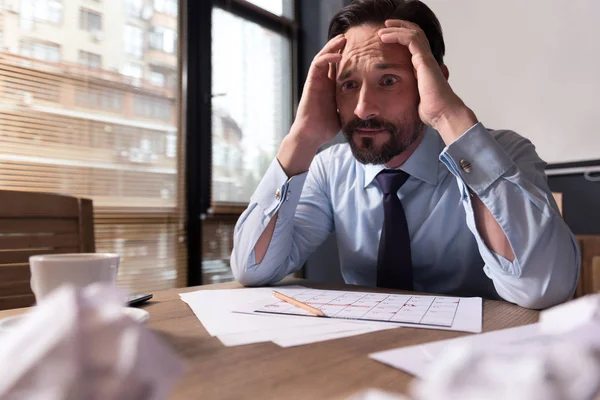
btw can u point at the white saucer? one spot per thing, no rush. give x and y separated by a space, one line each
137 314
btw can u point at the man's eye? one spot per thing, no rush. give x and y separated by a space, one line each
389 80
348 85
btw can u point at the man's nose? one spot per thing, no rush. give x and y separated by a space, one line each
366 108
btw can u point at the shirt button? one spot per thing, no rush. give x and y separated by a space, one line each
278 194
465 165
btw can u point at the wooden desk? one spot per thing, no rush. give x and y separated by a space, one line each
331 369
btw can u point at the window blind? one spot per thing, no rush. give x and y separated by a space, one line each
68 129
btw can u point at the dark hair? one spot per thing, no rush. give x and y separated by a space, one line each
376 12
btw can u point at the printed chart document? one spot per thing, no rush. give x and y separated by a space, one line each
216 311
416 311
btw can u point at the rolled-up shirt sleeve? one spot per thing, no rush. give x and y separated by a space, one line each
503 169
304 220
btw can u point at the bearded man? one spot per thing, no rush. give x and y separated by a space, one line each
422 196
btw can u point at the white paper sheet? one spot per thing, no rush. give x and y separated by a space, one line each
416 359
310 331
213 309
298 339
304 334
430 312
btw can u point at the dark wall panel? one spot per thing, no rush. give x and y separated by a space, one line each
581 202
323 266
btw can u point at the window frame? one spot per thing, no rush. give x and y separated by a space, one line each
45 46
281 25
132 11
197 96
159 35
166 6
84 23
87 56
129 44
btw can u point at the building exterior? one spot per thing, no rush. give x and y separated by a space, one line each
89 107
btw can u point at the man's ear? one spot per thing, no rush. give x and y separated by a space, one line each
445 71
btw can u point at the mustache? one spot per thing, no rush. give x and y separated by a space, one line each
374 123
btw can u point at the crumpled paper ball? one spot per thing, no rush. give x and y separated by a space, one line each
79 344
550 371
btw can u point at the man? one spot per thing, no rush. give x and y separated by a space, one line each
458 210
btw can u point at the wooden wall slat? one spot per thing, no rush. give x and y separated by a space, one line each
14 272
19 204
22 256
26 241
15 288
38 225
87 242
16 301
596 274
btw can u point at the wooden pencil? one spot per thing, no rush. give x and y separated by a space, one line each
299 304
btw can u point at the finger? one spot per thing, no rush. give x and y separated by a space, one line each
334 45
332 72
400 23
384 31
414 40
402 36
333 68
322 62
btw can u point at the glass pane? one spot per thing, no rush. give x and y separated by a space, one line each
283 8
90 110
252 103
217 243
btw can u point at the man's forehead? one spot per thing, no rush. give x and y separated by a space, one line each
363 41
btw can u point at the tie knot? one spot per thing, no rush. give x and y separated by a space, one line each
391 180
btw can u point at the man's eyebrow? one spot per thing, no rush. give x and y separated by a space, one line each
390 66
345 75
380 66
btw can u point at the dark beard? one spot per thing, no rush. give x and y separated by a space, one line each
402 136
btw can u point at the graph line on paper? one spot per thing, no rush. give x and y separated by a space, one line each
409 309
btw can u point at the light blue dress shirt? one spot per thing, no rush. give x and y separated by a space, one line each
339 194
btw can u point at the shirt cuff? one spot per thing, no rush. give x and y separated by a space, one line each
276 190
476 158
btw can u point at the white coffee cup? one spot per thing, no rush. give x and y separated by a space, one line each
48 272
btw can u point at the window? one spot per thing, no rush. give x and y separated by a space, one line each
134 8
90 20
134 41
172 80
261 59
40 51
40 10
90 59
153 107
284 8
72 128
252 107
134 71
163 77
166 7
157 78
163 39
105 99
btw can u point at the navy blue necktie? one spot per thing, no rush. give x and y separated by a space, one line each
394 263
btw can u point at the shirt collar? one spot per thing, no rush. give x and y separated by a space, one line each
422 164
